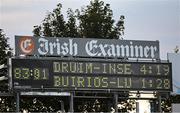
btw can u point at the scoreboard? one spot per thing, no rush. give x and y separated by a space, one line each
83 74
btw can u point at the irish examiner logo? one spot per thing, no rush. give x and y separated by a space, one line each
56 46
26 44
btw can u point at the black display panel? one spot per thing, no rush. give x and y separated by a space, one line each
80 74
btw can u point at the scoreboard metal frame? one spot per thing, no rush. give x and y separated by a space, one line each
92 74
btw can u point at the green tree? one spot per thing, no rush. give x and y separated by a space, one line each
5 49
96 21
58 23
6 103
72 28
37 30
47 29
5 52
93 21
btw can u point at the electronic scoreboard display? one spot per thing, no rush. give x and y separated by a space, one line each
80 74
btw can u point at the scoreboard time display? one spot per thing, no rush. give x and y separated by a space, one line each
80 74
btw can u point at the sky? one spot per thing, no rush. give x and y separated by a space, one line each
144 19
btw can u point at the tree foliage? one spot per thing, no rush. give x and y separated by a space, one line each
5 52
96 21
93 21
4 48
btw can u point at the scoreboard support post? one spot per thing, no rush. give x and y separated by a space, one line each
159 103
17 102
116 102
62 106
71 102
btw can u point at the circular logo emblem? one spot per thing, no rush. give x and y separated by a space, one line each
26 44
